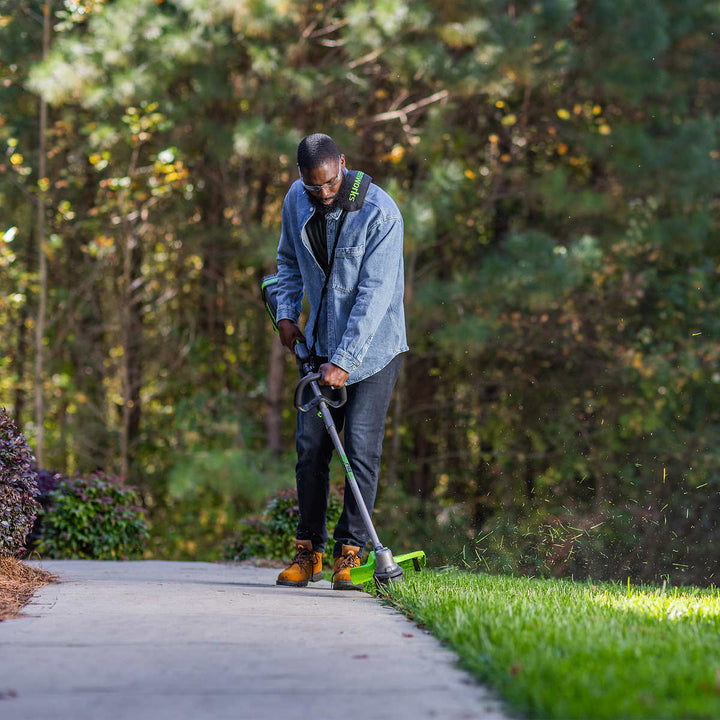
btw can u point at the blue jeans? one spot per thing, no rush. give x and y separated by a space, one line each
363 417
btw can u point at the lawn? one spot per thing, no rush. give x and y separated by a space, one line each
563 649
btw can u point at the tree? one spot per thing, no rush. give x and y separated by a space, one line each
553 162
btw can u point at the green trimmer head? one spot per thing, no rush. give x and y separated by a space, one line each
364 573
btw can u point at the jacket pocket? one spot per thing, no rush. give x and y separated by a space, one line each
346 268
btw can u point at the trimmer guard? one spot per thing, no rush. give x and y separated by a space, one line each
411 561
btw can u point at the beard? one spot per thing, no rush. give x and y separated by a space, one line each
321 207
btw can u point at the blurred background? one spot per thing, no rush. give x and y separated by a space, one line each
556 163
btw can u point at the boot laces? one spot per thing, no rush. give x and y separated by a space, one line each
348 561
303 557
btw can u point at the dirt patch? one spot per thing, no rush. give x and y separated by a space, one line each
18 583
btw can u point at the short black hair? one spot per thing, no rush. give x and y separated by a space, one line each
315 150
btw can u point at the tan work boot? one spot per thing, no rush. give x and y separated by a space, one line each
306 565
341 577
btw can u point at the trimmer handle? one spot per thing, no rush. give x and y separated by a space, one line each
318 396
302 356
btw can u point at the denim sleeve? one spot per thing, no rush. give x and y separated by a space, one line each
381 270
290 285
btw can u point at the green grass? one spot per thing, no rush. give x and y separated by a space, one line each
561 649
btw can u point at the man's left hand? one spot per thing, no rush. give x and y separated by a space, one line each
332 375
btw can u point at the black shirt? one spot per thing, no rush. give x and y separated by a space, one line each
316 229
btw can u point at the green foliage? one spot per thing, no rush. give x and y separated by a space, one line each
18 488
209 493
558 649
407 522
238 477
47 482
552 161
271 535
94 517
609 544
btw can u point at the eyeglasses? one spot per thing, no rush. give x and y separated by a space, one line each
328 184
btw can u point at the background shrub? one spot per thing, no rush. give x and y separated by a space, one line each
47 482
406 522
93 517
208 495
272 534
18 488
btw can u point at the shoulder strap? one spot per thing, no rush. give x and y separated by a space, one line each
354 189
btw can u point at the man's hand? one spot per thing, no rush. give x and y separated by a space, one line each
289 333
332 375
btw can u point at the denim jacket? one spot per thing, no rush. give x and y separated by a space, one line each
362 323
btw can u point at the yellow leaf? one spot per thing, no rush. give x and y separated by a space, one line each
395 155
604 129
510 119
563 114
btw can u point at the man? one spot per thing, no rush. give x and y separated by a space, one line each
342 245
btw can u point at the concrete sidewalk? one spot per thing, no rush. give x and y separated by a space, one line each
162 640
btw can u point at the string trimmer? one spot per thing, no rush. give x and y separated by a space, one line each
380 565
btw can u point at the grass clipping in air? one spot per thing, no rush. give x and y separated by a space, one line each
18 583
563 649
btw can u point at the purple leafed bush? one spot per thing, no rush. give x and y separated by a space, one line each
18 488
47 482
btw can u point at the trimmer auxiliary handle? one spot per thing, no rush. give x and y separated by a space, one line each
315 401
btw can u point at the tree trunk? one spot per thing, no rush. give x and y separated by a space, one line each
215 255
40 320
393 463
273 417
131 330
132 363
20 359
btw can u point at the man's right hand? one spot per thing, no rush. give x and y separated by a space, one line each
289 333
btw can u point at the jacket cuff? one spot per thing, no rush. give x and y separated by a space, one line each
286 312
344 361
